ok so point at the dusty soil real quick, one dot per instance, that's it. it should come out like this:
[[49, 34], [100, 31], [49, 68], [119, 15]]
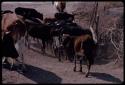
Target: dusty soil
[[47, 69]]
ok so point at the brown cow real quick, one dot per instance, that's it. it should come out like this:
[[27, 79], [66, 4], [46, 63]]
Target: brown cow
[[13, 30], [7, 20], [84, 48]]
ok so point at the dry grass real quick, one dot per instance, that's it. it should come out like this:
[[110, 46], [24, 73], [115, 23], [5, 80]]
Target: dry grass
[[110, 28]]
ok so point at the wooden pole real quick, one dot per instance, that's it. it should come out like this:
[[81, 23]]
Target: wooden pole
[[97, 26]]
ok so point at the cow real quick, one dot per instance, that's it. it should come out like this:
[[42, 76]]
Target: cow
[[49, 20], [76, 42], [84, 48], [58, 23], [84, 45], [29, 13], [41, 32], [64, 16], [68, 43], [13, 30]]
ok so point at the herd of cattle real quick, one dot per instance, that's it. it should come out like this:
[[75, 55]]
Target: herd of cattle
[[64, 36]]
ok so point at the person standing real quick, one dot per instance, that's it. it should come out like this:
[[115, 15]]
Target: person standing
[[60, 5]]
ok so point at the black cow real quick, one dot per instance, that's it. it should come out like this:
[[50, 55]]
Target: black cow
[[68, 48], [40, 31], [29, 13], [64, 16]]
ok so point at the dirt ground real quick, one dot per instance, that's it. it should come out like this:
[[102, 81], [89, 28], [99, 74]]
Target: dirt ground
[[47, 69]]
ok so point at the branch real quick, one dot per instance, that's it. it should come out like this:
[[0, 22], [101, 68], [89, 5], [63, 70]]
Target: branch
[[113, 42], [117, 49]]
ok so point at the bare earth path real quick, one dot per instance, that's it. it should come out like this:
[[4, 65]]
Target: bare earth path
[[47, 69]]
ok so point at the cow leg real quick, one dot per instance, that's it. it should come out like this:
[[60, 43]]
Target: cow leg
[[26, 39], [80, 65], [43, 47], [52, 48], [12, 64], [3, 60], [55, 51], [11, 60], [51, 45], [23, 64], [59, 52], [28, 42], [88, 66], [18, 46], [66, 56], [47, 45], [34, 39], [75, 63]]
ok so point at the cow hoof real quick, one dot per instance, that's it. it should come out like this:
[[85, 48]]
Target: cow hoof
[[28, 47], [43, 53], [86, 75], [80, 70], [59, 60], [74, 69]]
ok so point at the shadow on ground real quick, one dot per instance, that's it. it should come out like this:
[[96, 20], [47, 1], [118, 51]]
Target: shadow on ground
[[106, 77], [101, 61], [40, 76]]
